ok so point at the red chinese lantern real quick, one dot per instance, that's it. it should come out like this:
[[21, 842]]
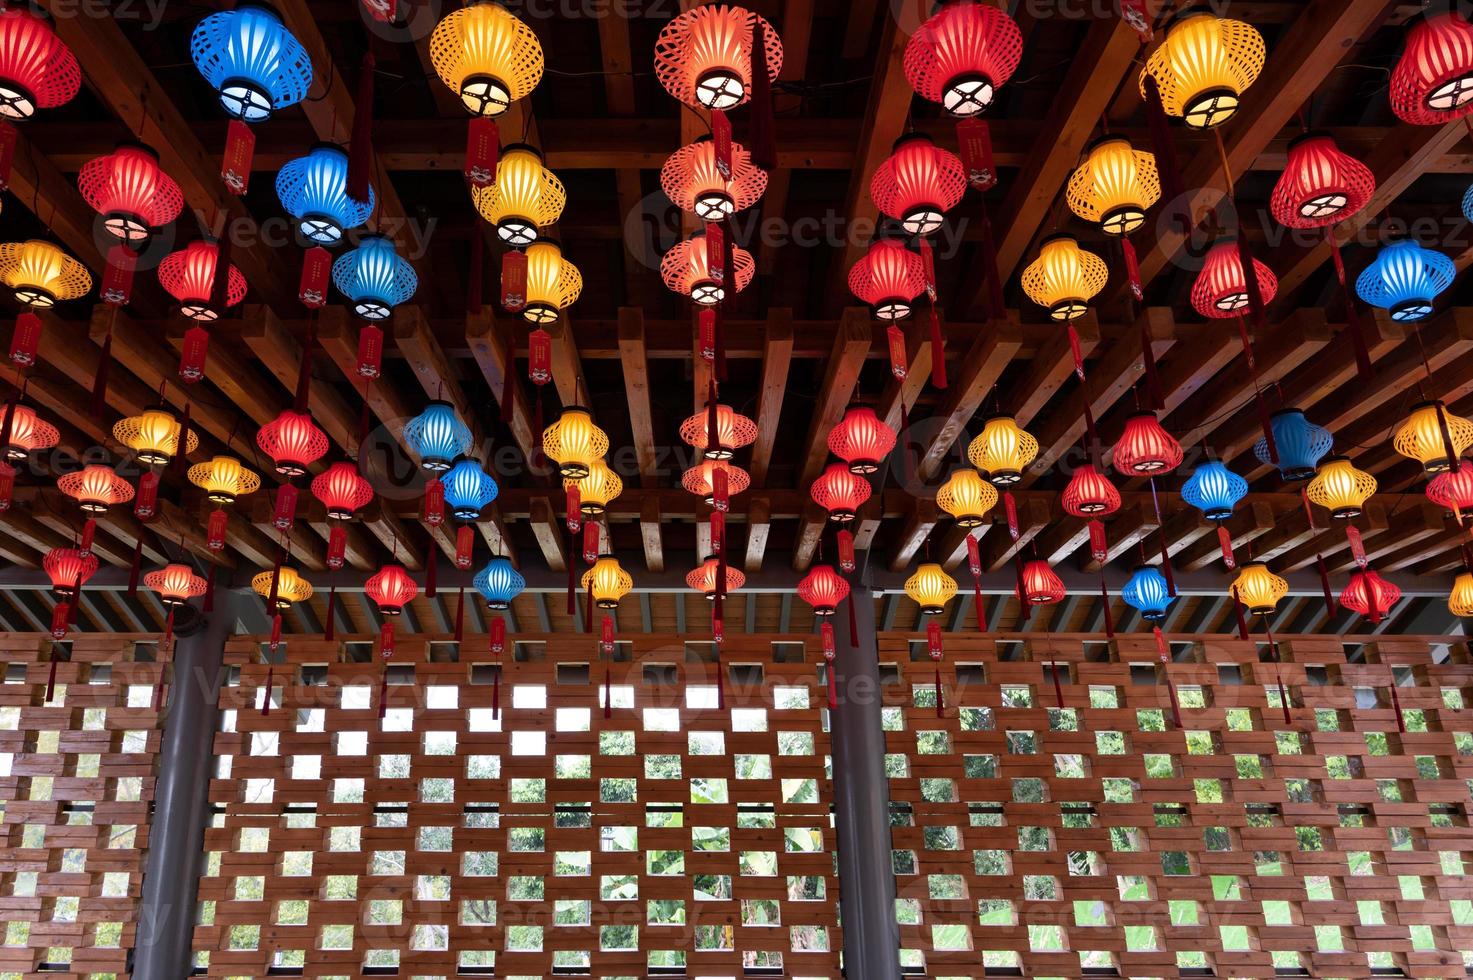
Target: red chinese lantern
[[962, 54], [342, 490], [705, 578], [131, 192], [861, 439], [176, 585], [1220, 290], [1146, 449], [1370, 595], [823, 589], [918, 184], [1321, 184], [391, 589], [293, 442], [28, 433], [37, 71], [1432, 84], [1040, 583], [840, 492], [733, 432], [716, 481], [189, 276], [686, 270], [96, 488], [704, 56], [1453, 490], [1090, 493], [888, 279], [693, 179], [68, 569]]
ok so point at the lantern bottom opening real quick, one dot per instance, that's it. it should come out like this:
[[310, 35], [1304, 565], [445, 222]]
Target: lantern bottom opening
[[1323, 206], [93, 507], [1217, 513], [320, 229], [923, 220], [245, 100], [485, 95], [970, 521], [1003, 478], [1451, 94], [372, 309], [707, 293], [465, 513], [841, 516], [221, 497], [714, 205], [516, 231], [1122, 221], [1210, 108], [718, 453], [540, 313], [16, 102], [198, 309], [572, 471], [291, 468], [864, 467], [1148, 466], [125, 226], [339, 514], [720, 88], [890, 310], [1411, 309], [435, 464], [591, 508], [968, 95], [35, 297], [1345, 513], [1092, 507], [1294, 474], [1068, 309]]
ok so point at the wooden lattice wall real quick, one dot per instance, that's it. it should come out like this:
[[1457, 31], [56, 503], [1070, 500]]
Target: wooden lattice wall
[[76, 783]]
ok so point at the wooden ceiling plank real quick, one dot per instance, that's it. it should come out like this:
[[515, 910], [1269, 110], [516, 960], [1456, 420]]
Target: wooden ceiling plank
[[650, 533], [1332, 539], [913, 536], [488, 344], [1046, 373], [272, 343], [776, 358], [422, 351], [900, 396], [548, 531], [759, 528], [1127, 529], [637, 392], [851, 346], [1245, 526], [1409, 537], [999, 549], [990, 354]]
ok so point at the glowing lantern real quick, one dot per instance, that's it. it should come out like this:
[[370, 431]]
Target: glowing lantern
[[553, 283], [391, 589], [154, 435], [1214, 490], [686, 270], [188, 275], [1460, 600], [486, 56], [1114, 186], [374, 278], [1258, 589], [1421, 437], [840, 492], [1220, 290], [888, 278], [68, 569], [705, 578], [1432, 84], [526, 196], [1041, 584], [1340, 487], [702, 478], [961, 55], [288, 589], [37, 71], [1301, 444], [293, 441], [468, 489], [1090, 493], [1064, 278], [1321, 184], [28, 433], [1453, 490], [499, 583], [1145, 448], [1370, 595], [967, 497], [314, 190], [131, 192], [607, 582], [95, 488], [733, 431], [918, 184], [1148, 593], [342, 490], [1203, 67], [703, 57], [823, 589], [931, 588], [252, 60], [1003, 450], [1405, 280], [175, 584], [597, 489], [223, 478], [574, 442], [861, 439], [437, 436], [692, 179], [42, 275]]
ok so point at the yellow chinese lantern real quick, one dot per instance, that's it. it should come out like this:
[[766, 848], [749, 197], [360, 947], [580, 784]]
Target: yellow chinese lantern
[[1064, 278], [486, 56], [291, 588], [1203, 67], [1003, 450], [597, 489], [1340, 487], [574, 443], [553, 283], [526, 196], [1420, 437], [1114, 186], [154, 435], [41, 274], [1460, 601], [607, 582], [967, 497], [223, 478], [1259, 589], [931, 588]]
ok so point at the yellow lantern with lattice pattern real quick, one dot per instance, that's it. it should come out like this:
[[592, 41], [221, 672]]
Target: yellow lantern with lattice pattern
[[931, 588], [1114, 186], [486, 56], [553, 283], [224, 478], [1003, 451], [1340, 487], [1064, 278], [607, 582], [574, 443], [1460, 600], [1204, 66], [1420, 437], [154, 435], [596, 489], [41, 274], [526, 196], [967, 497], [291, 587], [1258, 588]]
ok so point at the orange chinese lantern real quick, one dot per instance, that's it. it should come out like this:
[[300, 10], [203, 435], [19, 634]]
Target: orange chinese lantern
[[861, 439], [840, 492], [693, 179], [888, 278], [918, 184], [704, 56], [686, 270]]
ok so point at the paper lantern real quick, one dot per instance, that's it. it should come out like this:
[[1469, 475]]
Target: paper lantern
[[293, 441], [37, 71], [374, 278], [288, 589], [468, 489], [176, 584], [733, 431], [703, 57], [1370, 595], [686, 270], [966, 497], [931, 588], [223, 479], [1115, 186], [888, 278], [1064, 278], [28, 433], [1145, 448], [314, 190], [1041, 584], [553, 283], [252, 60], [596, 489], [486, 56], [1421, 437], [918, 184], [95, 488], [607, 582], [1301, 444], [1090, 493], [861, 439], [823, 589], [1321, 184], [1453, 490], [391, 589], [692, 180], [42, 275], [840, 492], [499, 582], [525, 196], [342, 490], [1148, 593], [574, 442], [705, 578], [188, 275], [1340, 487], [701, 481], [1203, 67], [1214, 490], [1221, 291], [154, 435], [1432, 84], [1405, 279], [68, 568], [1003, 450], [131, 192], [1258, 589], [437, 436], [961, 55], [1460, 600]]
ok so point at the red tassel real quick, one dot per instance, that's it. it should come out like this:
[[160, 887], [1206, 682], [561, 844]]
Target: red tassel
[[220, 288], [473, 284], [185, 422], [940, 698], [1091, 436], [51, 674], [482, 151], [938, 352], [977, 605], [539, 356], [706, 328], [588, 609], [25, 345], [337, 546], [432, 570], [434, 502], [764, 149], [1077, 351], [713, 428], [1447, 439], [135, 567], [146, 500], [1099, 548], [846, 550], [285, 513], [832, 686], [1357, 546], [117, 275], [370, 351], [514, 292], [974, 146], [1238, 611], [274, 594], [169, 626], [498, 634], [1358, 340], [302, 397], [608, 695], [1247, 343], [572, 583], [496, 694], [329, 632], [1010, 507], [465, 545], [1105, 605], [1308, 511], [1165, 552], [209, 602], [316, 270], [460, 617], [215, 530], [99, 380], [1132, 270], [1163, 145], [1265, 422], [1225, 541], [192, 355], [720, 488], [360, 144], [266, 689], [240, 148], [383, 693]]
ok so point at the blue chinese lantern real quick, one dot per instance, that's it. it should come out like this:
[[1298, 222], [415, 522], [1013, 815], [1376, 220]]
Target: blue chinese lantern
[[1405, 279], [1301, 445], [1148, 593], [1214, 490], [500, 583], [438, 436], [314, 190], [374, 278], [468, 488], [252, 60]]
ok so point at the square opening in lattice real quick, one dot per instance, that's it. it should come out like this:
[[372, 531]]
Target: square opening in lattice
[[655, 675], [788, 652], [890, 675], [745, 675], [529, 651], [485, 673], [971, 674], [574, 674]]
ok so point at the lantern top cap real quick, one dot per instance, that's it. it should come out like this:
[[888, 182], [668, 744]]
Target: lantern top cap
[[1287, 411], [576, 408], [995, 416], [1335, 459], [370, 236], [912, 137], [434, 402], [136, 145], [260, 5], [1429, 403], [1058, 236], [523, 148], [328, 145], [1310, 135], [1104, 139]]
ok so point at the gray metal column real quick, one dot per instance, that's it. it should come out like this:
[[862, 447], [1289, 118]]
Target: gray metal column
[[862, 802], [181, 807]]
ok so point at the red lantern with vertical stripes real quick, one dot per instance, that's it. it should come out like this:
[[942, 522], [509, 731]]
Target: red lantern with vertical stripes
[[37, 71], [1432, 84], [962, 54], [823, 589], [918, 184], [342, 490], [293, 441], [888, 278], [840, 492], [1221, 291], [67, 568], [1041, 584], [861, 439], [131, 192], [1321, 184], [1146, 448], [1370, 595], [189, 276]]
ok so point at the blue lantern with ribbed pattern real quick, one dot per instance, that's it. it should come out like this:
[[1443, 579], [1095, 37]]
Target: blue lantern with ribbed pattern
[[374, 278], [252, 60], [499, 582], [1301, 445], [1405, 280], [1148, 593], [1214, 490], [438, 436], [468, 488], [314, 190]]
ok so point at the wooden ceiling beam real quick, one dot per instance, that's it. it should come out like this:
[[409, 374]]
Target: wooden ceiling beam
[[919, 527], [1251, 522], [637, 394], [759, 528], [998, 549], [1408, 538], [989, 355], [1332, 540], [851, 346], [1128, 528], [900, 395], [650, 534], [777, 345], [549, 533], [488, 342], [1046, 373]]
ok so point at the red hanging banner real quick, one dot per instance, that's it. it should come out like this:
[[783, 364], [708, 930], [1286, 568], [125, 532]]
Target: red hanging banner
[[575, 508], [192, 354], [1225, 540], [285, 514], [706, 323], [26, 344], [465, 544], [316, 269], [482, 151], [215, 530], [434, 503], [337, 546], [715, 252], [146, 500], [240, 148], [117, 275], [974, 143], [539, 356], [721, 140], [899, 358], [370, 351], [514, 281], [846, 551]]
